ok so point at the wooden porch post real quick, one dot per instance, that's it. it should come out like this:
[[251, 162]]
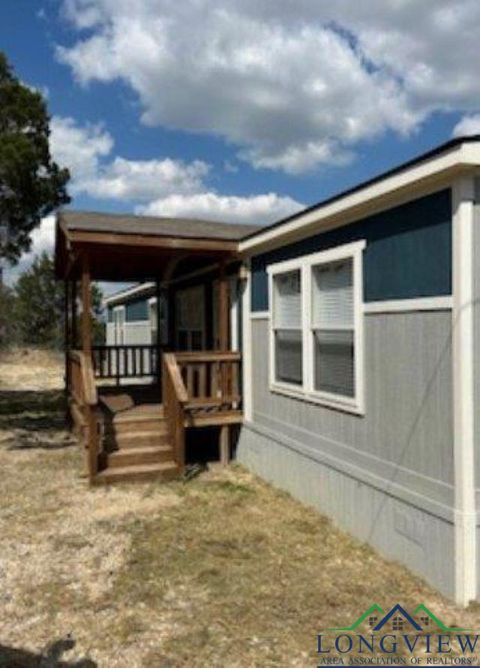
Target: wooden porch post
[[224, 444], [86, 308], [223, 315], [67, 344], [158, 342], [73, 315], [223, 320]]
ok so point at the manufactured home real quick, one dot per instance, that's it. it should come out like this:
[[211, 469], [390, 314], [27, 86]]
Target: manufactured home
[[335, 353]]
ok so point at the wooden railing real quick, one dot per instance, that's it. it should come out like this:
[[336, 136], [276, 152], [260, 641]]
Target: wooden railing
[[125, 361], [174, 400], [84, 405], [200, 389], [212, 379]]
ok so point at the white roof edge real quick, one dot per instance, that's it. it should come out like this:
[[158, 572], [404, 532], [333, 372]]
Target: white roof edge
[[119, 297], [463, 155]]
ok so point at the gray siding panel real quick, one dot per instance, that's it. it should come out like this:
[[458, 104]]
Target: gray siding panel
[[421, 541], [386, 477], [408, 386]]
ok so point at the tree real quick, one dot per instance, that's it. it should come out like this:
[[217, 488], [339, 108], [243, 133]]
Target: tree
[[39, 307], [8, 329], [31, 184]]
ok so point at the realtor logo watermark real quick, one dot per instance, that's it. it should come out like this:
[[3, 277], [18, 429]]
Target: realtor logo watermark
[[398, 637]]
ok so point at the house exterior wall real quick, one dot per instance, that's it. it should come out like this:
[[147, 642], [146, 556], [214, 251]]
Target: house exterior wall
[[386, 476], [138, 333], [408, 254], [136, 326], [110, 334]]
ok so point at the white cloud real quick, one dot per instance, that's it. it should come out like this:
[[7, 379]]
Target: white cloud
[[86, 151], [144, 179], [157, 187], [43, 239], [79, 148], [259, 209], [468, 125], [292, 84]]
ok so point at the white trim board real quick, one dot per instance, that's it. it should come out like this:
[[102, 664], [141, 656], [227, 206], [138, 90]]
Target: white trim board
[[260, 315], [136, 290], [462, 156], [404, 305], [463, 197]]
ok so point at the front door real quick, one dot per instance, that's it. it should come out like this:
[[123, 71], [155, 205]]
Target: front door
[[190, 318]]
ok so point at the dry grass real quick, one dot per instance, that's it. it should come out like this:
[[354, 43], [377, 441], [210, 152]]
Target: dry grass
[[222, 570]]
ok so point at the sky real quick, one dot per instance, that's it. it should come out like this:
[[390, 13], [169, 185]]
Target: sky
[[240, 110]]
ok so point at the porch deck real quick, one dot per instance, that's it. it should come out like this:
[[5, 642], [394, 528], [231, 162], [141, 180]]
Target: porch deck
[[137, 432]]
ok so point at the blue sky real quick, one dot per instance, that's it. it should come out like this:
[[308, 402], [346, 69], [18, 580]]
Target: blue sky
[[239, 110]]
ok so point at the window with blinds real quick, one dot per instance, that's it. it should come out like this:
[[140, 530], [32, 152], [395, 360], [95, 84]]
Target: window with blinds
[[333, 328], [287, 327], [316, 334]]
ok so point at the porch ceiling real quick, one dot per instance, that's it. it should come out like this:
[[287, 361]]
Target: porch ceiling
[[132, 248]]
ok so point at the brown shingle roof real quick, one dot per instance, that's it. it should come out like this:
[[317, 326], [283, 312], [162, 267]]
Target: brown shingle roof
[[188, 228]]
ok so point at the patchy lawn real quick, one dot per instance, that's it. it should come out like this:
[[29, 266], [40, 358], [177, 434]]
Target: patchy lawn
[[222, 570]]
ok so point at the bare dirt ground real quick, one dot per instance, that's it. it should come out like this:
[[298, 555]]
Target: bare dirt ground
[[222, 570]]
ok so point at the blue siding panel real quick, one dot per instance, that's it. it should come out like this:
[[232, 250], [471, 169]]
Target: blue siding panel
[[136, 310], [408, 254]]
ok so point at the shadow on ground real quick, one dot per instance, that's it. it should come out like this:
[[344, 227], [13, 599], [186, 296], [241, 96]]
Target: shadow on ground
[[33, 419], [50, 658]]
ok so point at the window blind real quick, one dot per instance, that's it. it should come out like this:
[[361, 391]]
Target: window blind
[[332, 296], [288, 301], [333, 328], [287, 324]]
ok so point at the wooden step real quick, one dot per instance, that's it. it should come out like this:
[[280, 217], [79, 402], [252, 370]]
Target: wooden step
[[122, 424], [136, 439], [138, 455], [212, 418], [161, 471]]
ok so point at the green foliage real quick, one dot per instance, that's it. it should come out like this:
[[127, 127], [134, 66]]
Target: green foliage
[[31, 184], [39, 306], [8, 330]]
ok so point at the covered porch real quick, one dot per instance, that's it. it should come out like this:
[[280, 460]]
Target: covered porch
[[133, 404]]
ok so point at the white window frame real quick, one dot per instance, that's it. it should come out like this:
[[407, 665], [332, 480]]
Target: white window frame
[[307, 391]]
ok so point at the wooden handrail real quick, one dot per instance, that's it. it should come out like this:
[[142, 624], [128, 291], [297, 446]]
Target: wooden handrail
[[176, 378], [174, 399], [90, 389], [83, 393], [208, 356]]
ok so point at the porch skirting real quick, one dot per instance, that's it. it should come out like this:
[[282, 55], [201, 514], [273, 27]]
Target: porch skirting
[[417, 537]]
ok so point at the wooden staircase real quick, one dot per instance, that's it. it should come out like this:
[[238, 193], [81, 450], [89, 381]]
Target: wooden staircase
[[129, 436], [135, 445]]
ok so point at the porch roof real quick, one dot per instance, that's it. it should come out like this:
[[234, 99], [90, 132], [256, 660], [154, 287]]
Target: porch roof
[[124, 247]]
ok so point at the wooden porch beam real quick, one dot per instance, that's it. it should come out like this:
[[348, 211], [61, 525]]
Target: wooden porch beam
[[168, 243]]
